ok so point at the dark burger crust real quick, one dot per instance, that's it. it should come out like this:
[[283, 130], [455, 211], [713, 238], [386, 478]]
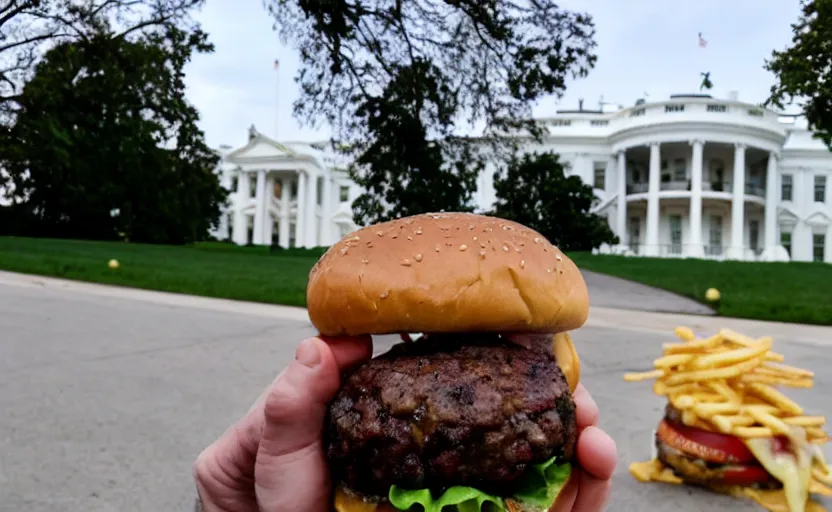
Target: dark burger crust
[[463, 409]]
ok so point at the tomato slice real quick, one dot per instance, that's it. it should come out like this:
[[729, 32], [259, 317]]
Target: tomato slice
[[745, 475], [709, 446]]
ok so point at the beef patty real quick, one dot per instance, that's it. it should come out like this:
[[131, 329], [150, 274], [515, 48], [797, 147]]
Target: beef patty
[[462, 409]]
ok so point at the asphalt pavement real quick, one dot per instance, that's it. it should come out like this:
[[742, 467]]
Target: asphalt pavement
[[108, 395]]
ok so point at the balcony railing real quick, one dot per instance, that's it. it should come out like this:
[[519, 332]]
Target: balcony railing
[[717, 186], [637, 188], [755, 190], [675, 185], [714, 251]]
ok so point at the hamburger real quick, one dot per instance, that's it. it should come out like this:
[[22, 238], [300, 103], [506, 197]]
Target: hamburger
[[726, 428], [473, 410]]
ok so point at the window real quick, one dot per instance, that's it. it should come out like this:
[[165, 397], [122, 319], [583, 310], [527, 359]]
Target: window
[[235, 183], [786, 187], [599, 179], [278, 187], [292, 234], [786, 241], [319, 200], [344, 193], [754, 235], [679, 169], [715, 241], [717, 168], [635, 233], [818, 241], [294, 189], [820, 188], [675, 234]]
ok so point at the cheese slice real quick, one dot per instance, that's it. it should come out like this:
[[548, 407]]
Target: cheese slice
[[793, 469]]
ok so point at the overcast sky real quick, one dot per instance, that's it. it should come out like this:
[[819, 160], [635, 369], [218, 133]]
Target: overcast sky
[[644, 46]]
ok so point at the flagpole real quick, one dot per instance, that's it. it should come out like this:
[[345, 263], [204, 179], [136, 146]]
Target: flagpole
[[276, 98]]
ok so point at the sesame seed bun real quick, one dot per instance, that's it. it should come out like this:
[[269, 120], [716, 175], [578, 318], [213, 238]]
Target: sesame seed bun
[[445, 272]]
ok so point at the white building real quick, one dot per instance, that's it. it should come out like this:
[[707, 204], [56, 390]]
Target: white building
[[691, 176]]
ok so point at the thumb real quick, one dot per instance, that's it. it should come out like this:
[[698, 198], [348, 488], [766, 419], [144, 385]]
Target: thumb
[[290, 472]]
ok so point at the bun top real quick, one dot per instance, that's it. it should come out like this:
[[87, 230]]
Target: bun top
[[445, 272]]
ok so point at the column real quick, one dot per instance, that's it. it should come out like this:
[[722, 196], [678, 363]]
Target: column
[[771, 204], [652, 241], [240, 229], [737, 251], [268, 219], [621, 219], [326, 213], [259, 207], [285, 199], [312, 211], [300, 211], [695, 248]]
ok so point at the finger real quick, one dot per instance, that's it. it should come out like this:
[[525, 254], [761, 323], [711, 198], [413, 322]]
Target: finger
[[597, 453], [290, 470], [224, 471], [566, 497], [586, 409], [593, 494]]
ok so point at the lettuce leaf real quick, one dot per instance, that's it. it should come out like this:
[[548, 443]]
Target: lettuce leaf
[[538, 488]]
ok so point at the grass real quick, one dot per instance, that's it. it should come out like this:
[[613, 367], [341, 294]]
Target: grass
[[783, 292], [786, 292], [210, 269]]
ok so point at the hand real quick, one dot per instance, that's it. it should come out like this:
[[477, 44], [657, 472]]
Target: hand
[[588, 489], [273, 459]]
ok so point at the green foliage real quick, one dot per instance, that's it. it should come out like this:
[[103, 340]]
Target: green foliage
[[534, 190], [400, 82], [802, 70], [105, 146], [28, 27]]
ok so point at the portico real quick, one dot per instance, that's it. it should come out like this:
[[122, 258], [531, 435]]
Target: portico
[[281, 196], [666, 189]]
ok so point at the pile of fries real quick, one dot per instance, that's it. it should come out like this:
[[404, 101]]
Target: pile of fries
[[726, 383]]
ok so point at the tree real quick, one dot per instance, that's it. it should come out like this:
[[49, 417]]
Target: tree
[[105, 145], [802, 71], [534, 190], [26, 26], [405, 86]]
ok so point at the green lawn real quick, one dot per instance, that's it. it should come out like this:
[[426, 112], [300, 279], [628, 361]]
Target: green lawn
[[214, 270], [783, 292], [789, 292]]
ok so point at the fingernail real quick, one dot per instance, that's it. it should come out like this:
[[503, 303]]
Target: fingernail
[[308, 354]]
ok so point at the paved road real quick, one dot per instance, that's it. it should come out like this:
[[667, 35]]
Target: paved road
[[614, 292], [107, 395]]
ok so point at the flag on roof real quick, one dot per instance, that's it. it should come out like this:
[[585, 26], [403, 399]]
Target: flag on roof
[[276, 63], [702, 42]]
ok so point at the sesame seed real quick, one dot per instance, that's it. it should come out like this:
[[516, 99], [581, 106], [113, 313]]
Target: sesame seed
[[505, 247], [370, 245], [384, 294], [409, 237], [549, 270], [405, 263], [537, 239], [437, 247], [522, 263], [419, 231], [482, 244], [355, 238], [482, 254], [475, 239], [559, 257], [380, 233], [365, 261], [561, 271], [505, 228], [463, 247], [470, 226], [395, 236], [418, 257], [344, 251]]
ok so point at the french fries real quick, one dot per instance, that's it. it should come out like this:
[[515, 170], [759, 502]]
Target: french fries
[[728, 383]]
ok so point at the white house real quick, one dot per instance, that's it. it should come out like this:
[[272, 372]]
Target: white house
[[690, 176]]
